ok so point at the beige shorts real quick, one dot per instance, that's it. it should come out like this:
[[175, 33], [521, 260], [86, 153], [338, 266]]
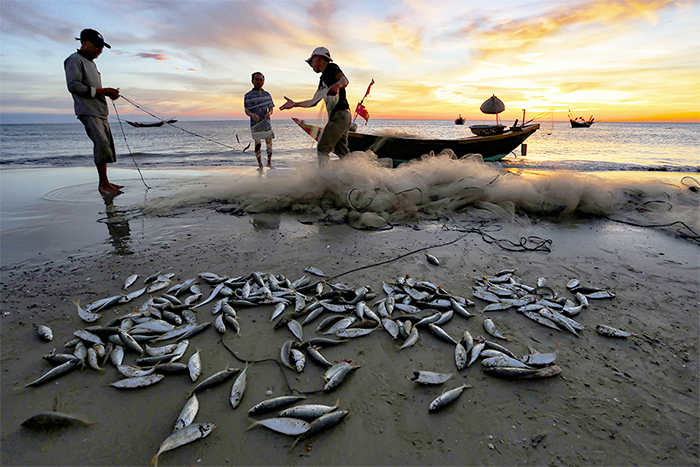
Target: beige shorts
[[97, 129]]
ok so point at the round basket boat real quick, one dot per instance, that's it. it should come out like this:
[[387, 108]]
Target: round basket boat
[[487, 130]]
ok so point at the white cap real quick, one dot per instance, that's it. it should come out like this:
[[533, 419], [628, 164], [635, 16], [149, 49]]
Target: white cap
[[322, 51]]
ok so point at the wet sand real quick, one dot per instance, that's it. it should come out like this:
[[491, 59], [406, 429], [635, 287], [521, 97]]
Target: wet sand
[[617, 401]]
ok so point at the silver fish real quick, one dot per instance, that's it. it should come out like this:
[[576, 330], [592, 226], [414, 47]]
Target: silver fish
[[354, 332], [156, 286], [215, 379], [133, 295], [499, 306], [612, 332], [45, 332], [441, 333], [556, 318], [582, 299], [412, 338], [275, 403], [299, 360], [538, 318], [133, 371], [320, 424], [432, 259], [92, 359], [391, 327], [601, 294], [286, 354], [130, 281], [342, 324], [296, 329], [194, 365], [308, 411], [407, 308], [476, 351], [54, 372], [573, 283], [158, 351], [503, 361], [137, 382], [315, 271], [467, 341], [238, 388], [183, 436], [219, 324], [339, 377], [316, 356], [85, 315], [460, 356], [430, 377], [117, 355], [490, 327], [103, 303], [335, 368], [447, 397], [279, 309], [213, 295], [541, 359], [188, 413], [284, 425], [87, 336]]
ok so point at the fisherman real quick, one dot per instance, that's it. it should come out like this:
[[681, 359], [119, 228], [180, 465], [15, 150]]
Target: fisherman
[[259, 107], [85, 85], [331, 89]]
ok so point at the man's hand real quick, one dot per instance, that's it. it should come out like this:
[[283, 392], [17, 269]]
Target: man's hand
[[290, 104], [109, 92]]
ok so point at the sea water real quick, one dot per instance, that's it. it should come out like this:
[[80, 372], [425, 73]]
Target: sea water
[[606, 146]]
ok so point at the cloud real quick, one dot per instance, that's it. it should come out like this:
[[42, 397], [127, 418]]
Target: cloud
[[153, 56]]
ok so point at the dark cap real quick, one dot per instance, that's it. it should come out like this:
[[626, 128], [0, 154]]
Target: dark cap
[[93, 36]]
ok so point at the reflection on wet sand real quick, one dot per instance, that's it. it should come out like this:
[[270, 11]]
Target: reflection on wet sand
[[118, 227]]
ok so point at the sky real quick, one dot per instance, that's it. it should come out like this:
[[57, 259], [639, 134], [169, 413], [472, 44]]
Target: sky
[[618, 60]]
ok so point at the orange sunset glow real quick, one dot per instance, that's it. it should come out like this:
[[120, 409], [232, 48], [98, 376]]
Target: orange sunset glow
[[618, 60]]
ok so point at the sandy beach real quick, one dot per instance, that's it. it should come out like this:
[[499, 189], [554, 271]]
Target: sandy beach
[[633, 401]]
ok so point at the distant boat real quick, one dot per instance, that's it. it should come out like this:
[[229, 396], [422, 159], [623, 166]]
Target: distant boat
[[460, 120], [150, 125], [580, 122]]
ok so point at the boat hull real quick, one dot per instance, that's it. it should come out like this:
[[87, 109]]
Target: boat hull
[[399, 149], [575, 124]]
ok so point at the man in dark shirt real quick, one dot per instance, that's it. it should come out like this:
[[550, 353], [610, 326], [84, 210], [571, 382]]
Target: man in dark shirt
[[85, 85], [331, 89]]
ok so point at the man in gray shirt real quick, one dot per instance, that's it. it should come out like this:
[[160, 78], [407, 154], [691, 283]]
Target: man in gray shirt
[[85, 85]]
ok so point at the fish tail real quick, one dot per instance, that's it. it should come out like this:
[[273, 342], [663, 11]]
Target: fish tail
[[252, 425], [154, 461], [294, 443]]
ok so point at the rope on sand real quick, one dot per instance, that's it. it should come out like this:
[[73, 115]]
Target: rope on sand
[[127, 146]]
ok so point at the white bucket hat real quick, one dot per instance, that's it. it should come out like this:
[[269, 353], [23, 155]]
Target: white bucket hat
[[322, 51]]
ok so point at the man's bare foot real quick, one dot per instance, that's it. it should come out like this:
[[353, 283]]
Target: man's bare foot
[[109, 191]]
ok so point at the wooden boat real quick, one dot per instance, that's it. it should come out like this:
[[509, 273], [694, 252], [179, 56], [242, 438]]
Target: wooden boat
[[405, 148], [149, 125], [581, 123]]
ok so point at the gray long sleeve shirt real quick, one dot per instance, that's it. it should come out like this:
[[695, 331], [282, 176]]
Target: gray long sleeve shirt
[[83, 79]]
